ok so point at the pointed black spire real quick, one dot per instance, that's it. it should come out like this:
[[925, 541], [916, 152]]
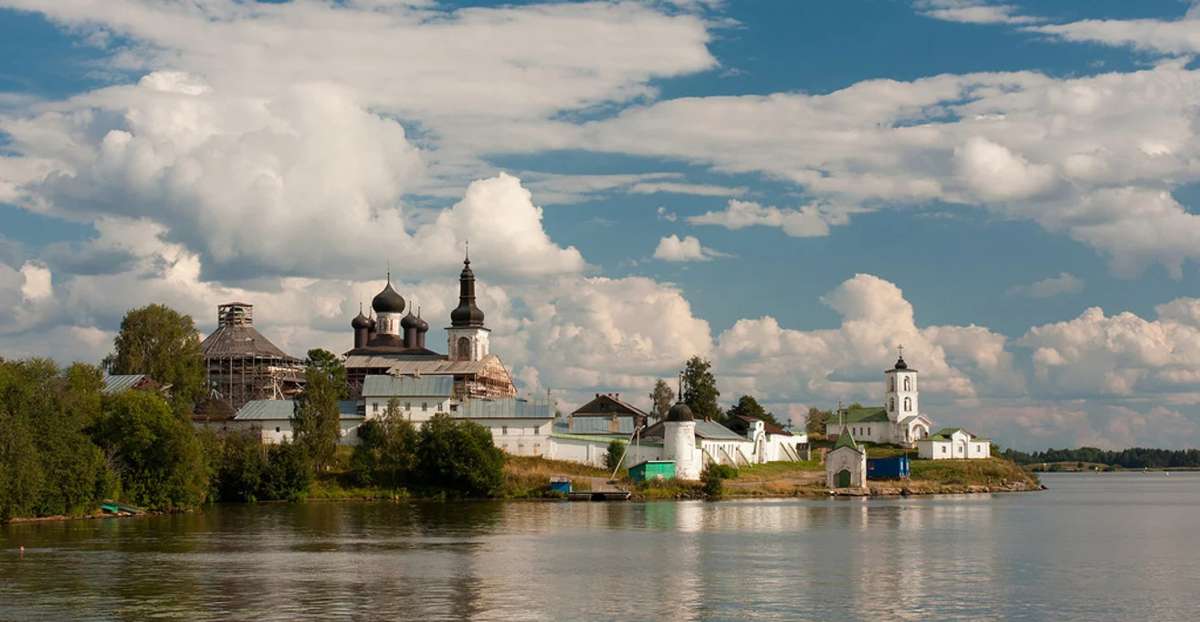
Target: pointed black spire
[[466, 314]]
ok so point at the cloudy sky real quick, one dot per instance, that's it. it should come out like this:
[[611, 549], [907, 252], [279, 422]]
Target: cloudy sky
[[789, 188]]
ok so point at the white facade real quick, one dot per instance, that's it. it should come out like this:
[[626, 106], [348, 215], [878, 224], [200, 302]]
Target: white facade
[[467, 343], [899, 422], [414, 408], [956, 444], [521, 437], [846, 458], [679, 445]]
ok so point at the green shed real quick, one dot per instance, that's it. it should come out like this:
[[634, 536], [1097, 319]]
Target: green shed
[[652, 469]]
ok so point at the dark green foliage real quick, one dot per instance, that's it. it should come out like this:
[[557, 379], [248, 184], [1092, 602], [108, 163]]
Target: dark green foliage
[[458, 457], [1133, 458], [250, 471], [289, 475], [363, 464], [661, 399], [747, 406], [157, 341], [48, 463], [700, 390], [243, 465], [315, 420], [712, 478], [157, 452], [330, 365], [612, 457]]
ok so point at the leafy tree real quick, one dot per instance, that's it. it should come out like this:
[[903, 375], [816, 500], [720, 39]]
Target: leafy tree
[[243, 467], [700, 390], [315, 418], [21, 478], [48, 463], [612, 457], [329, 364], [159, 454], [289, 475], [814, 422], [458, 456], [661, 399], [397, 443], [157, 341], [747, 406]]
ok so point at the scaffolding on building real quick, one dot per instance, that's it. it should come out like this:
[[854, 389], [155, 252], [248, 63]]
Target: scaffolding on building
[[244, 365]]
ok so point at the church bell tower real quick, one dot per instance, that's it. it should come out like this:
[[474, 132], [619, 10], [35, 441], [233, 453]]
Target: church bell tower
[[467, 337]]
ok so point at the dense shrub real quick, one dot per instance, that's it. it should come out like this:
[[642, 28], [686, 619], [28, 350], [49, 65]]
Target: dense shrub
[[458, 457]]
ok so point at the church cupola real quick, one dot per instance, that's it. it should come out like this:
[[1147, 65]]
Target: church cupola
[[388, 305], [362, 328], [422, 328], [466, 314], [409, 324], [467, 338]]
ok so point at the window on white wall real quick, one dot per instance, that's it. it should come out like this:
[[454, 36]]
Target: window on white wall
[[504, 430], [907, 404], [908, 384]]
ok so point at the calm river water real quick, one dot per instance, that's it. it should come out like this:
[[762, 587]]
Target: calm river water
[[1093, 547]]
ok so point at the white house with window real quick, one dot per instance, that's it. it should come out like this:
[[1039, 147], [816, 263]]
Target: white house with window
[[898, 422], [954, 444], [419, 397]]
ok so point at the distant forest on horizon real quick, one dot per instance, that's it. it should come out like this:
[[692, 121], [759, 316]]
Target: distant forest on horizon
[[1133, 458]]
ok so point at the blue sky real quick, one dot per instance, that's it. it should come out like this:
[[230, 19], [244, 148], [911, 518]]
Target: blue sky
[[790, 189]]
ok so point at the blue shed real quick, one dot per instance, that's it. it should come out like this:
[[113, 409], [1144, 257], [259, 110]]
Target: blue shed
[[560, 483], [878, 468]]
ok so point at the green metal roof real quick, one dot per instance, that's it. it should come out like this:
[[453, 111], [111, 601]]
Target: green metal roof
[[875, 414], [945, 433], [846, 440], [714, 431]]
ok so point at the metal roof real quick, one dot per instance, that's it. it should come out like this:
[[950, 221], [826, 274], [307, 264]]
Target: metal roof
[[606, 404], [600, 425], [401, 365], [875, 414], [508, 408], [408, 386], [279, 410], [716, 432], [241, 341], [121, 382]]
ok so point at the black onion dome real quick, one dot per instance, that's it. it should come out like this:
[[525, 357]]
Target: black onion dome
[[900, 364], [388, 301], [409, 321], [680, 412], [370, 323], [361, 321], [422, 325]]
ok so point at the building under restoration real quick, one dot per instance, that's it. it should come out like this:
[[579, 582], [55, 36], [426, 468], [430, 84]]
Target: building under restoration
[[394, 343], [244, 365]]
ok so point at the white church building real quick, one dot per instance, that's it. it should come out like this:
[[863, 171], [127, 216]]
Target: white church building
[[898, 422]]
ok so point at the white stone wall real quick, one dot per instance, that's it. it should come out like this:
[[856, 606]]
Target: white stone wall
[[849, 459], [477, 337], [873, 432], [520, 437]]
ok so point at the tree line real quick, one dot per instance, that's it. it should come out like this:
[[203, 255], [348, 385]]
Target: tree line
[[1133, 458]]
